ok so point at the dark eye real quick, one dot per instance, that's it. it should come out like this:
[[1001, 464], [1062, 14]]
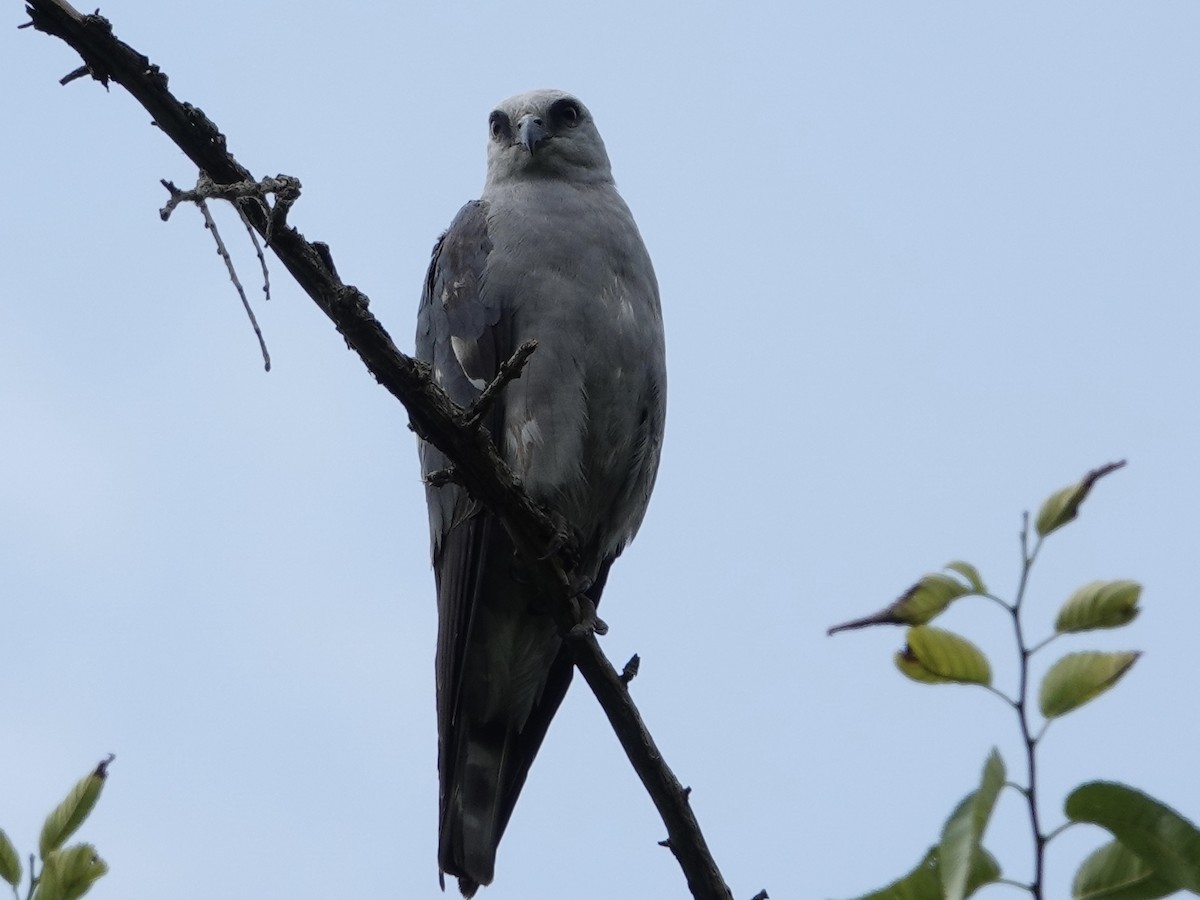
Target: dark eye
[[499, 127], [566, 113]]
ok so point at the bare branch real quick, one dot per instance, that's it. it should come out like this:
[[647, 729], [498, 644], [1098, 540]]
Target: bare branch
[[262, 260], [477, 464], [510, 369], [197, 196]]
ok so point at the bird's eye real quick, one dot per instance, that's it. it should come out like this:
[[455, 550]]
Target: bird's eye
[[499, 127], [567, 113]]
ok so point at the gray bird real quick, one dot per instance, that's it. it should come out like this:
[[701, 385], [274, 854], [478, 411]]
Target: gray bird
[[549, 252]]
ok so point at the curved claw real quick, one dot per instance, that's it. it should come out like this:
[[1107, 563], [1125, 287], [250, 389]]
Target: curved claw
[[589, 622]]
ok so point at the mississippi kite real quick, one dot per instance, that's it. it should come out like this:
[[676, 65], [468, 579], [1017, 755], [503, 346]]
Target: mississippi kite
[[550, 252]]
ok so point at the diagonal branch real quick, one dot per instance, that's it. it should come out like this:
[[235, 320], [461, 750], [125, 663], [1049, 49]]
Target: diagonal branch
[[477, 465]]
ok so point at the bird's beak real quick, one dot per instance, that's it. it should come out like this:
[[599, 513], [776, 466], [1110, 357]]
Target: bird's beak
[[532, 132]]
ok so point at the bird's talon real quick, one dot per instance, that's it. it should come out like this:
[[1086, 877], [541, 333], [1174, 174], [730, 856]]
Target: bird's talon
[[589, 622], [562, 538]]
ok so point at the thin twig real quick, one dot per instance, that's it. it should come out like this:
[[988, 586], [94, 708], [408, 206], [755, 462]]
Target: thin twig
[[1042, 643], [197, 196], [211, 225], [73, 74], [1022, 708], [34, 878], [999, 693], [285, 188], [1059, 830], [1019, 788], [1027, 888], [442, 477], [509, 370], [999, 601], [262, 260]]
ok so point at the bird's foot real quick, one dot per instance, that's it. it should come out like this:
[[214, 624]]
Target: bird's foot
[[565, 541], [587, 622]]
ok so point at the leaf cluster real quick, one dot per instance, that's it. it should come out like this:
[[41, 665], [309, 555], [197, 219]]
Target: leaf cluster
[[67, 873], [1154, 851]]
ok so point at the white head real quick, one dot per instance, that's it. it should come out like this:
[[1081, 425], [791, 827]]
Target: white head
[[545, 134]]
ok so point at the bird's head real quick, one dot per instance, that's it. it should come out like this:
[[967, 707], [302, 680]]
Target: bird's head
[[545, 134]]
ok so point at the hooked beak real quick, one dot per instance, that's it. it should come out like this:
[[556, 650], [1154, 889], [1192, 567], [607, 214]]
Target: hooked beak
[[532, 132]]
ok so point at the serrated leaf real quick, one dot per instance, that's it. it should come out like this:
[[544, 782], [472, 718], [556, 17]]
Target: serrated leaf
[[70, 814], [935, 656], [1114, 872], [925, 882], [1063, 506], [10, 861], [1165, 840], [68, 874], [1079, 677], [963, 831], [969, 572], [1099, 604]]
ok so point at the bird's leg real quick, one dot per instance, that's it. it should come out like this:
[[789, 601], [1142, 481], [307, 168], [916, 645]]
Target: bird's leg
[[565, 541], [587, 622]]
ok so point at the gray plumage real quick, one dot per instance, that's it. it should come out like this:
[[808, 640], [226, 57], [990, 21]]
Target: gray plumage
[[551, 252]]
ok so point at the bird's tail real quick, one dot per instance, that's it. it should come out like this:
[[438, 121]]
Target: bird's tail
[[473, 817]]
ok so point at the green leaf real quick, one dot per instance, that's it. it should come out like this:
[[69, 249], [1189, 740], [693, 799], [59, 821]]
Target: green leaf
[[10, 862], [925, 600], [1099, 604], [969, 572], [1114, 872], [69, 874], [934, 656], [1165, 840], [964, 830], [1063, 506], [1079, 677], [928, 598], [70, 814], [925, 882]]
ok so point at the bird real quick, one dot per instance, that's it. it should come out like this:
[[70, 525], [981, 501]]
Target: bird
[[549, 252]]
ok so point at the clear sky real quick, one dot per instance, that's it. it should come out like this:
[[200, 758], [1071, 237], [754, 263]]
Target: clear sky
[[921, 265]]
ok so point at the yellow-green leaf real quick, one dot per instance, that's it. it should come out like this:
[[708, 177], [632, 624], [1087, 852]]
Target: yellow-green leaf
[[969, 572], [925, 882], [928, 598], [1079, 677], [1099, 604], [1063, 506], [70, 814], [1114, 872], [963, 831], [10, 862], [68, 874], [1165, 840], [934, 656], [922, 602]]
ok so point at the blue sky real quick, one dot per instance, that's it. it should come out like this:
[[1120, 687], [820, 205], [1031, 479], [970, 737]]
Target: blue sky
[[921, 265]]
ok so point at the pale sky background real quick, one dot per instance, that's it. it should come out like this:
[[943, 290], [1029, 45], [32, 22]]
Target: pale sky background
[[921, 265]]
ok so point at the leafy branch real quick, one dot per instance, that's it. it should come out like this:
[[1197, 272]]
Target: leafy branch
[[1154, 851], [67, 873]]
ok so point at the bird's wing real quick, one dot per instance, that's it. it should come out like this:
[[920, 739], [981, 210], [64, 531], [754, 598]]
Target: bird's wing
[[464, 335]]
